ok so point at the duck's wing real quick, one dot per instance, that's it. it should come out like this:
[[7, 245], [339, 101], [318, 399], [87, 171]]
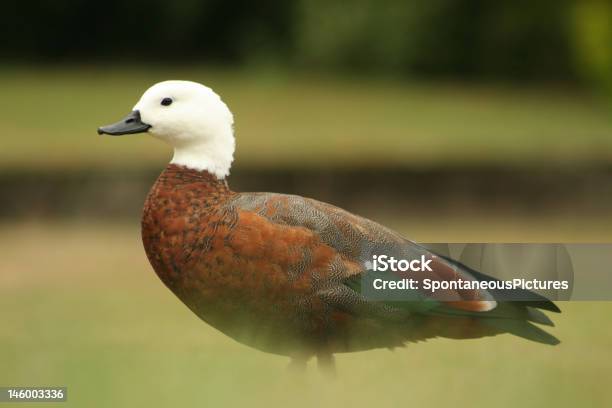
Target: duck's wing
[[334, 249]]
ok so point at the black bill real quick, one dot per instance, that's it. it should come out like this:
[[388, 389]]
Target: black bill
[[129, 125]]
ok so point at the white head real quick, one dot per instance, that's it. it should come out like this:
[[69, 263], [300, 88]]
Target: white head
[[191, 118]]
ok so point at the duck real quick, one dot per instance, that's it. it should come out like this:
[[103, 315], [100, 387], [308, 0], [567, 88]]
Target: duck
[[285, 274]]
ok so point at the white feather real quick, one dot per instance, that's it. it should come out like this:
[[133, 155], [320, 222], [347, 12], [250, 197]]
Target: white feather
[[198, 124]]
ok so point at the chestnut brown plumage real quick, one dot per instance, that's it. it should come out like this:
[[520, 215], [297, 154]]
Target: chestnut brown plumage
[[270, 270]]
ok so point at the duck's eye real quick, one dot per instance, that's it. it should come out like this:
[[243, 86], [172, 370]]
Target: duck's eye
[[166, 101]]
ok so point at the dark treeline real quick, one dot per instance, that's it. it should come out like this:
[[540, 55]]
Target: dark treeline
[[544, 39]]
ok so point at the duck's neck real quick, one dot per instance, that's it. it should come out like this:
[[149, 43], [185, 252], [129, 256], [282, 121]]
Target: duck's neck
[[214, 157], [183, 178]]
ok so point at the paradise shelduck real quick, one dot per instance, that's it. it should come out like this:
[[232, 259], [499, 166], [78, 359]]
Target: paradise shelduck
[[282, 273]]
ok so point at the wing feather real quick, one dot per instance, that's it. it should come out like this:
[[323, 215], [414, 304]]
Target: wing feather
[[353, 240]]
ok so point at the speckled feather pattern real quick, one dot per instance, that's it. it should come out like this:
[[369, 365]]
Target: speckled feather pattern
[[268, 269]]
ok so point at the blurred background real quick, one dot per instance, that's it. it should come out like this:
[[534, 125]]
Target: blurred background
[[447, 120]]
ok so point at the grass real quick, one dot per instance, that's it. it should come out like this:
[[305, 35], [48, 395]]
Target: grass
[[49, 119], [81, 307]]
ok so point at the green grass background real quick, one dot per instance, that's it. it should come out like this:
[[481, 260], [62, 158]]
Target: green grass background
[[48, 119], [81, 307], [106, 327]]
